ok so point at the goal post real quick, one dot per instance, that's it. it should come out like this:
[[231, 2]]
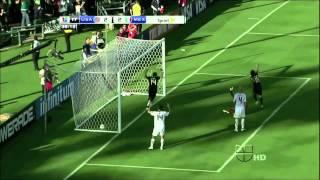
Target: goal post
[[116, 71]]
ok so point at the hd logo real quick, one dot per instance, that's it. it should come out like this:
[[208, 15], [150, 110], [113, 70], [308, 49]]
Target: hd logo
[[245, 154]]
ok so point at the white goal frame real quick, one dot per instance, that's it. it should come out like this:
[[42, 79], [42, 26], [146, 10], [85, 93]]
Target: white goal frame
[[128, 72]]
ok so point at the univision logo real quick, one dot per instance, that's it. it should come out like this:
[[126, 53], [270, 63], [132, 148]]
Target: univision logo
[[246, 153]]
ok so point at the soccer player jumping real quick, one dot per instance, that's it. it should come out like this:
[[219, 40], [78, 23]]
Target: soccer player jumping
[[240, 101], [153, 87], [159, 125], [257, 88]]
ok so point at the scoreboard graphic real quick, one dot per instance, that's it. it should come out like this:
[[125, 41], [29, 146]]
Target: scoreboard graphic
[[122, 20]]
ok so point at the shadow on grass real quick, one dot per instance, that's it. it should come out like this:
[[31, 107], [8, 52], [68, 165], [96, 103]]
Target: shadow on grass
[[239, 44], [72, 148], [223, 62], [243, 9], [42, 58], [19, 97], [67, 143], [210, 135], [5, 104]]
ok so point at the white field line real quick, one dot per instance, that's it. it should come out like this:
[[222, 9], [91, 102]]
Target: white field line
[[243, 75], [151, 167], [174, 88], [277, 34], [232, 156], [263, 123]]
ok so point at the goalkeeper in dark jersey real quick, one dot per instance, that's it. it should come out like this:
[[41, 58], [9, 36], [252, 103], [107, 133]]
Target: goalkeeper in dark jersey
[[257, 88], [152, 87]]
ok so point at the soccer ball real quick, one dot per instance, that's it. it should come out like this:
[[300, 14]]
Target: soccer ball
[[101, 126], [126, 94]]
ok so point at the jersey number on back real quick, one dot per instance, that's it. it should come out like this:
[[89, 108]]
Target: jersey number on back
[[240, 99], [160, 116], [153, 81]]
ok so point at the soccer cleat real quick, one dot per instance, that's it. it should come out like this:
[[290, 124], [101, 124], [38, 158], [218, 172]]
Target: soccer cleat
[[257, 102], [150, 148], [225, 111], [243, 129], [235, 130], [161, 148]]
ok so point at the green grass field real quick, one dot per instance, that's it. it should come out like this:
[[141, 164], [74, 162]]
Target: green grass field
[[221, 46]]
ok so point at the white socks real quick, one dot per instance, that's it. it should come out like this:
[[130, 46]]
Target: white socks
[[162, 142], [236, 125], [151, 143], [242, 124]]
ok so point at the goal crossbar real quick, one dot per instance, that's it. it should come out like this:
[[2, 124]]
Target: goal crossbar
[[119, 68]]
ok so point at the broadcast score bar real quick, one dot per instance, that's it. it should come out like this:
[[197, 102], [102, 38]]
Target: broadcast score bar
[[122, 20]]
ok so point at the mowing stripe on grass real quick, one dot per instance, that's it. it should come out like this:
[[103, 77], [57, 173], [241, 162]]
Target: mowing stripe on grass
[[251, 136], [243, 75], [263, 123], [277, 34], [253, 18], [151, 167], [171, 90]]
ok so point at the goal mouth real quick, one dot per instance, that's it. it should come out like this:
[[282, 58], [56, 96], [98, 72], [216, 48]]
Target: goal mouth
[[119, 70]]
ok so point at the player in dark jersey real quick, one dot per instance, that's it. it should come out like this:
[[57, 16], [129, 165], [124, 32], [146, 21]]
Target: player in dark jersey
[[257, 88], [152, 87]]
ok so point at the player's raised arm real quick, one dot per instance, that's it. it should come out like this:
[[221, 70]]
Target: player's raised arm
[[231, 92], [146, 73]]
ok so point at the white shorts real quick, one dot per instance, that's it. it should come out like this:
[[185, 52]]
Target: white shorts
[[158, 131], [239, 113]]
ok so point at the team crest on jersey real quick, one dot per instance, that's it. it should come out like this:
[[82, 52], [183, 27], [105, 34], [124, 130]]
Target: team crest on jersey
[[244, 153]]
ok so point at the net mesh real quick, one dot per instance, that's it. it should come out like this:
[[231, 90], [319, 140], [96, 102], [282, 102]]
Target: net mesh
[[119, 68]]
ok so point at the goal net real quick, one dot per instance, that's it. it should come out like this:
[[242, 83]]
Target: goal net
[[117, 71]]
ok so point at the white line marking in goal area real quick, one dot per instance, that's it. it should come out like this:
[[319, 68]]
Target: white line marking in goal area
[[242, 75], [277, 34], [151, 167], [263, 123], [243, 144], [171, 90]]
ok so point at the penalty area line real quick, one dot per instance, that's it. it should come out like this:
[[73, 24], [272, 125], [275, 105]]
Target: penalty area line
[[279, 34], [231, 157], [243, 75], [151, 167], [263, 123], [179, 84]]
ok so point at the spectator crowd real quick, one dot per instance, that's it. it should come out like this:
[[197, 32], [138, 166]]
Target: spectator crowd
[[92, 45], [27, 12]]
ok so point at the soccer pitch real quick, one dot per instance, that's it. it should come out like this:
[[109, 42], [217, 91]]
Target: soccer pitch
[[214, 51]]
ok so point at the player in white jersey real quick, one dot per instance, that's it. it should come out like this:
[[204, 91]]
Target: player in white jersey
[[159, 125], [240, 100]]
